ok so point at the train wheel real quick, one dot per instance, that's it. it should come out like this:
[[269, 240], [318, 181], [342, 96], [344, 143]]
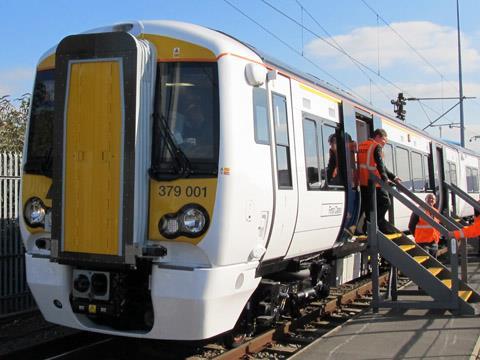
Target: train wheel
[[234, 339], [237, 336]]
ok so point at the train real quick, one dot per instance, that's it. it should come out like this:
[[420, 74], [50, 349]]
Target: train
[[180, 184]]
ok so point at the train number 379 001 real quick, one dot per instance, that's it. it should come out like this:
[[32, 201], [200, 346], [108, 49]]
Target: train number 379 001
[[177, 191]]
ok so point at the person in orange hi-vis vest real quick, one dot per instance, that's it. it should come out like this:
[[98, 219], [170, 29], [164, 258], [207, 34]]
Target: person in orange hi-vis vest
[[466, 232], [370, 159], [425, 234]]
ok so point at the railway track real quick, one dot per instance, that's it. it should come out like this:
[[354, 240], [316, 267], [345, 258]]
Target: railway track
[[319, 318], [287, 338]]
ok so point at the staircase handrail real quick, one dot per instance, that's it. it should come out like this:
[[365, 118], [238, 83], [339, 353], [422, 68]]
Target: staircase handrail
[[444, 230], [463, 195]]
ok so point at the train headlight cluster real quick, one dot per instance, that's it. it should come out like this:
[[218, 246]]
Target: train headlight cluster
[[34, 212], [191, 221]]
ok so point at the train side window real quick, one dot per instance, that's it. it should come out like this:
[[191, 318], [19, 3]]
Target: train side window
[[472, 180], [403, 166], [284, 174], [417, 172], [388, 156], [260, 116], [311, 154], [452, 173], [330, 172], [475, 180], [469, 179]]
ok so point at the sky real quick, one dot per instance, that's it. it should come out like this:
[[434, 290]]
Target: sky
[[374, 49]]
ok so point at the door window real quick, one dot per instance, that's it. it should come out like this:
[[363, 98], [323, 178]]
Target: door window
[[282, 147]]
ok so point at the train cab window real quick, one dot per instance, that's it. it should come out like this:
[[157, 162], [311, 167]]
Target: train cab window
[[40, 137], [186, 120], [330, 173], [284, 174], [260, 116], [311, 153], [452, 173], [417, 172], [403, 166], [388, 156]]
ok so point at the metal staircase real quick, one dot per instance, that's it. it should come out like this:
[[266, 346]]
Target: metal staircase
[[441, 283]]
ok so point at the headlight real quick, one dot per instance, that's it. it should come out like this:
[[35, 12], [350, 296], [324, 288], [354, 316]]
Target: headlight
[[34, 212], [169, 226], [191, 221]]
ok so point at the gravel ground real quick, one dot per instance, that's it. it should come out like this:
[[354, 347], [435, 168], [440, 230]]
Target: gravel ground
[[23, 331]]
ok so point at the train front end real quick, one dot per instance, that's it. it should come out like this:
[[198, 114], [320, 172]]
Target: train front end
[[120, 186]]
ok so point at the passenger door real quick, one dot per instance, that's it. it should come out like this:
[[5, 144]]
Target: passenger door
[[284, 167]]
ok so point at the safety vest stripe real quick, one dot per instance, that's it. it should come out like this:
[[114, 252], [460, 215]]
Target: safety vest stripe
[[424, 227], [369, 153], [365, 166]]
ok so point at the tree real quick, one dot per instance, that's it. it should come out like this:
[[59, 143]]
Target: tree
[[13, 120]]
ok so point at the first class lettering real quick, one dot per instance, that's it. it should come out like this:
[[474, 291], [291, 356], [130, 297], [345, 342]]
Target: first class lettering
[[177, 191]]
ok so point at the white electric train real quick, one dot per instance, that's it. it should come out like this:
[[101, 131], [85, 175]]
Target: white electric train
[[179, 183]]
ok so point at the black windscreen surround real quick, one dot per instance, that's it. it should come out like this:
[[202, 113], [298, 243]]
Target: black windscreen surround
[[40, 136], [186, 119]]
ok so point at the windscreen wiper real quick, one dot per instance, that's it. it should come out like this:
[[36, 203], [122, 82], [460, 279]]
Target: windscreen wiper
[[182, 166]]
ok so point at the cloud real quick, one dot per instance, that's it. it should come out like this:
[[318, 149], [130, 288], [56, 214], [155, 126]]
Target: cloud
[[16, 81], [436, 43]]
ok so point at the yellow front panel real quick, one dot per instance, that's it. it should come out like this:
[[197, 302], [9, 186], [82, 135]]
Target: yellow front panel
[[92, 158], [168, 197], [47, 64]]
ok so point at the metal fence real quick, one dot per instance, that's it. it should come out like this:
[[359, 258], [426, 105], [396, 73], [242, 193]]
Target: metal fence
[[15, 297]]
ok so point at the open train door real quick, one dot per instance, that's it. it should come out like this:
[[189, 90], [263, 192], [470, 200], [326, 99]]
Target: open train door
[[437, 174], [357, 127]]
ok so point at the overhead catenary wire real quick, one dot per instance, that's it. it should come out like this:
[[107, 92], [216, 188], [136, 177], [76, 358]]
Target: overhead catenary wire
[[366, 67], [339, 49], [388, 97], [417, 52], [293, 49], [402, 38]]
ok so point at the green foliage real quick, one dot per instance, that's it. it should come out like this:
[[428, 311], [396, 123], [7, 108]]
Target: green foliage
[[13, 119]]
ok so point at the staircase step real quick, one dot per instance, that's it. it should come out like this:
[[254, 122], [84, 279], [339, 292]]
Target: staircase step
[[465, 294], [421, 259], [407, 247], [447, 283], [361, 238], [435, 270], [393, 236]]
